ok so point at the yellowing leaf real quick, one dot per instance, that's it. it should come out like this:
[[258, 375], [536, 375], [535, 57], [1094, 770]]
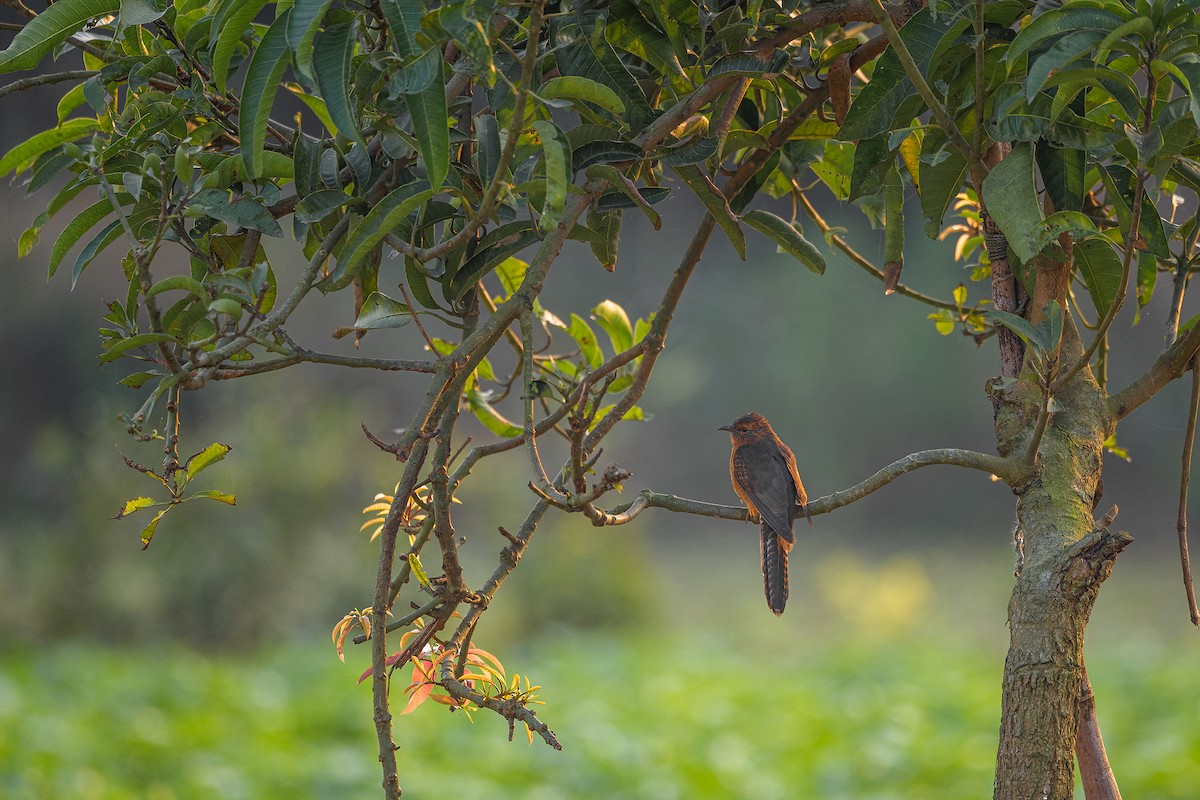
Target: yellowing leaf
[[133, 505]]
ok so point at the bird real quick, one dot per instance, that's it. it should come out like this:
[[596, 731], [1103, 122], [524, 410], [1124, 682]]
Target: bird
[[764, 475]]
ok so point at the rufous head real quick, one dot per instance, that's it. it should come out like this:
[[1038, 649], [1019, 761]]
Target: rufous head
[[748, 427]]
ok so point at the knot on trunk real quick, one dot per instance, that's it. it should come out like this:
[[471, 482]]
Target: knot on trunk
[[1091, 559]]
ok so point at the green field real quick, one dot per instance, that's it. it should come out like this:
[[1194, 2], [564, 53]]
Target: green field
[[653, 716]]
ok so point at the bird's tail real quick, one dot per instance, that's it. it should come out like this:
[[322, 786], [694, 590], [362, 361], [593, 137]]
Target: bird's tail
[[774, 568]]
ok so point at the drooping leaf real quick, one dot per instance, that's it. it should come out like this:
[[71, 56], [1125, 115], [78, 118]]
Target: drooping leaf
[[136, 504], [305, 20], [380, 221], [267, 64], [876, 104], [716, 204], [53, 26], [245, 212], [555, 160], [122, 346], [1060, 22], [227, 37], [219, 496], [1011, 197], [1100, 267], [104, 238], [80, 224], [45, 141], [787, 238], [148, 532], [429, 112], [506, 240], [1062, 174], [492, 419], [381, 311], [404, 21], [331, 65]]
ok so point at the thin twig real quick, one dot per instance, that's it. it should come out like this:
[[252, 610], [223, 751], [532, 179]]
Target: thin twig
[[417, 319], [1184, 479]]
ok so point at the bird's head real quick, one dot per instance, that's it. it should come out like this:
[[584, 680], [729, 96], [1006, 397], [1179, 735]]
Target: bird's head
[[748, 428]]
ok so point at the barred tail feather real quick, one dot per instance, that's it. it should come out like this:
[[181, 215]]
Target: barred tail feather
[[775, 569]]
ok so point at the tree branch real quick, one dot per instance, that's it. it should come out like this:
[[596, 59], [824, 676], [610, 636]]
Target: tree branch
[[1094, 770], [1185, 478], [1166, 368], [1006, 469], [42, 80]]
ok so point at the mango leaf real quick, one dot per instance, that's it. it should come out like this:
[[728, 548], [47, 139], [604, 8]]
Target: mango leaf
[[148, 531], [490, 417], [716, 204], [404, 20], [1100, 267], [121, 346], [381, 311], [1060, 22], [574, 87], [604, 152], [416, 75], [1011, 198], [555, 159], [80, 224], [103, 239], [136, 504], [246, 212], [219, 496], [748, 64], [45, 141], [583, 335], [331, 64], [615, 322], [696, 151], [302, 27], [385, 217], [875, 106], [429, 113], [1072, 222], [229, 28], [487, 154], [53, 26], [1062, 174], [320, 204], [614, 176], [506, 240], [785, 235], [943, 170], [267, 64], [205, 459], [607, 225], [1021, 327]]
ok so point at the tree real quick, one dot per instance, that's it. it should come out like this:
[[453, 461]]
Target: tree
[[458, 135]]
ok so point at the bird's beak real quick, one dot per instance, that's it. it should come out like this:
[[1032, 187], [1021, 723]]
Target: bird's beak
[[725, 428]]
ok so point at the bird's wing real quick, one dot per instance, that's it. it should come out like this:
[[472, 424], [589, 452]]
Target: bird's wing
[[801, 495], [763, 474]]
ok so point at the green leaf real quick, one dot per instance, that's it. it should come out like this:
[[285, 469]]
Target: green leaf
[[102, 240], [246, 212], [404, 20], [226, 39], [607, 225], [614, 176], [205, 458], [1058, 23], [1076, 224], [490, 417], [267, 64], [148, 531], [136, 504], [320, 204], [57, 23], [219, 496], [876, 104], [1100, 267], [615, 322], [31, 148], [574, 87], [80, 224], [1021, 327], [506, 240], [716, 204], [141, 12], [943, 169], [331, 64], [487, 154], [385, 217], [597, 61], [1011, 197], [381, 311], [303, 24], [785, 235], [583, 335], [124, 345], [694, 152], [184, 282], [1062, 174], [417, 75], [555, 153], [604, 152], [429, 118], [748, 64]]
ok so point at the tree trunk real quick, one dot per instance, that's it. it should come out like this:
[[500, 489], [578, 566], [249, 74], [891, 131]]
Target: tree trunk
[[1066, 557]]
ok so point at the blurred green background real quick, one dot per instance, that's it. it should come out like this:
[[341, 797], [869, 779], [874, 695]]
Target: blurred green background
[[202, 667]]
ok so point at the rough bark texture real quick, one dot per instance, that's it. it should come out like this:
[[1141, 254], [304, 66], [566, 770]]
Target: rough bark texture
[[1066, 559]]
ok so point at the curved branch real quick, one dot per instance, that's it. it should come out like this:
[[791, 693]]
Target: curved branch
[[1006, 469], [511, 710], [1168, 367]]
